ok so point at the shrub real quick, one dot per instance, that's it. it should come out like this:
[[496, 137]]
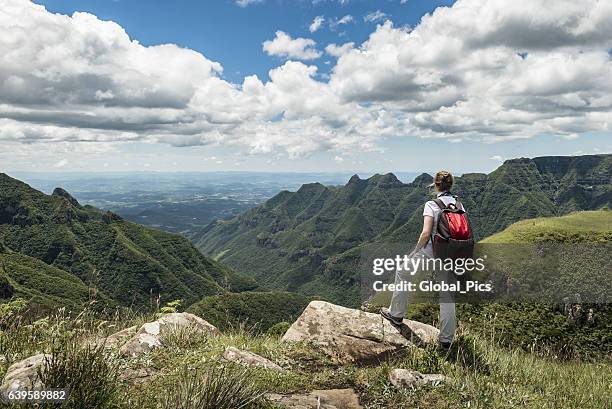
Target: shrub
[[258, 311], [279, 329], [11, 310], [219, 387], [171, 307], [88, 371], [181, 338], [6, 288]]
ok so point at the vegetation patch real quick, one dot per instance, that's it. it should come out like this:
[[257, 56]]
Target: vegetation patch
[[259, 311]]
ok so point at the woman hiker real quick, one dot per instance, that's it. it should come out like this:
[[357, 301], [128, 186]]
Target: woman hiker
[[399, 302]]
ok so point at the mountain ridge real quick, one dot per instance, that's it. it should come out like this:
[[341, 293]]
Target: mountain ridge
[[308, 241]]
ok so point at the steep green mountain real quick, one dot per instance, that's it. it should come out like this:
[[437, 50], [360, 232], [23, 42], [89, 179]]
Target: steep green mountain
[[309, 241], [55, 251]]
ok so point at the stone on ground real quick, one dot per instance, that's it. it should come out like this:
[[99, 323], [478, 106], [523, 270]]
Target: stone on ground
[[150, 335], [320, 399], [407, 378], [250, 359], [138, 376], [351, 335], [22, 375]]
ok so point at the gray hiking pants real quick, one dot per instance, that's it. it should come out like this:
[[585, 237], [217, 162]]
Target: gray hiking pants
[[400, 300]]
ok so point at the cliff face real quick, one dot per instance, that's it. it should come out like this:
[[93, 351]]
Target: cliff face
[[580, 182], [587, 166]]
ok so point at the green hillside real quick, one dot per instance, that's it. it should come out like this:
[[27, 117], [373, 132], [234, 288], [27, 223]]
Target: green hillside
[[309, 241], [577, 227], [257, 310], [55, 251], [574, 250]]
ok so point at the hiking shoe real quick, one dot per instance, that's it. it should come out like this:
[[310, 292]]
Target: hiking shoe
[[444, 345], [397, 321]]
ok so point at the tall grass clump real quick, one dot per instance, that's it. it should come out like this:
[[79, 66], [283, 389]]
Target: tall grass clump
[[217, 387], [89, 372]]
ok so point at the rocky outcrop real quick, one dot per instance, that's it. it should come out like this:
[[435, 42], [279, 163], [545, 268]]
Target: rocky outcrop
[[249, 359], [319, 399], [407, 378], [150, 335], [22, 375], [59, 192], [131, 341], [350, 335]]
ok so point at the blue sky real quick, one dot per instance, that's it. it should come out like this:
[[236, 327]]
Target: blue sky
[[233, 35], [216, 85]]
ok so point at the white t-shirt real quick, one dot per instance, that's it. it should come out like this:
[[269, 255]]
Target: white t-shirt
[[432, 209]]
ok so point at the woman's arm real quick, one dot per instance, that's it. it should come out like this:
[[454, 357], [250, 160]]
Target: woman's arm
[[426, 233]]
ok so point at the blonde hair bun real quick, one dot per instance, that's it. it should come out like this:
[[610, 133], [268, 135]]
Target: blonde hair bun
[[443, 180]]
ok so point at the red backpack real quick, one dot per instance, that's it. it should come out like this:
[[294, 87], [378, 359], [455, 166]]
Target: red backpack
[[453, 237]]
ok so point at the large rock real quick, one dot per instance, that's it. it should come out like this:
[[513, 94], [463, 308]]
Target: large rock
[[250, 359], [407, 378], [323, 399], [150, 335], [351, 335], [22, 375]]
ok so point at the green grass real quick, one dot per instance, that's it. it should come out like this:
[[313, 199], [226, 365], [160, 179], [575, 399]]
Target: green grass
[[577, 227], [90, 372], [216, 387], [483, 375]]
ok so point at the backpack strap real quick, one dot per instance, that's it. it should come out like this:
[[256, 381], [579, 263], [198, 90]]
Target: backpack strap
[[440, 204]]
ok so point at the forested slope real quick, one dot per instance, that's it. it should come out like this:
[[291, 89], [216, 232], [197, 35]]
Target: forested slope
[[55, 251]]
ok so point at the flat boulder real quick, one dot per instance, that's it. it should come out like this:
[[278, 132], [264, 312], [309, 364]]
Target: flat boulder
[[151, 334], [319, 399], [351, 335], [22, 375], [249, 359], [407, 378]]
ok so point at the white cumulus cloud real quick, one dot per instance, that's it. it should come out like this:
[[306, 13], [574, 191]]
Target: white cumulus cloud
[[479, 70], [284, 46], [336, 50]]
